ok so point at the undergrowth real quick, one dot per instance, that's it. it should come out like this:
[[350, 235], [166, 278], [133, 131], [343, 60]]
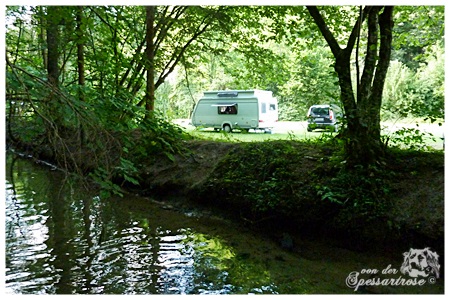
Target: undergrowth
[[302, 179], [153, 137]]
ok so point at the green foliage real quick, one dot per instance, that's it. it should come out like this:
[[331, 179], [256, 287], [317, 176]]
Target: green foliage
[[262, 185], [427, 98], [263, 179], [126, 172], [107, 188], [411, 139], [399, 79], [267, 47], [312, 81], [361, 193], [417, 93], [417, 29], [118, 138], [154, 135]]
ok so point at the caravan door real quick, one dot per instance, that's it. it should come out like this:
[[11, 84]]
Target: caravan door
[[268, 113]]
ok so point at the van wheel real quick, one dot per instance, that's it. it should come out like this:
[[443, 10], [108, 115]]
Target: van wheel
[[227, 128]]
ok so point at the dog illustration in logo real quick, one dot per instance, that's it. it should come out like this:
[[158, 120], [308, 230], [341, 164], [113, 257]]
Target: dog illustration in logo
[[420, 262]]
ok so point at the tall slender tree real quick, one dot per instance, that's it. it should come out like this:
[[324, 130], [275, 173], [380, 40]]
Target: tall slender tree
[[53, 41], [53, 20], [80, 50], [150, 58]]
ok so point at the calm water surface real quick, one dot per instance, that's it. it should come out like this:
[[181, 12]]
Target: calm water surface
[[63, 239]]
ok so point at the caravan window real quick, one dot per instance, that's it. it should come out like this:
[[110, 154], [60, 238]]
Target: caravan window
[[272, 107], [228, 109], [263, 107]]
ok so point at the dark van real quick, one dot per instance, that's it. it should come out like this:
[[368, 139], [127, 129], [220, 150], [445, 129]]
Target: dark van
[[324, 116]]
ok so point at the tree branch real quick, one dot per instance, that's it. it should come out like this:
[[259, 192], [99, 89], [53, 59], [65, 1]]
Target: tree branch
[[133, 62], [355, 31], [371, 55], [357, 50], [162, 31], [170, 65], [327, 34], [386, 23]]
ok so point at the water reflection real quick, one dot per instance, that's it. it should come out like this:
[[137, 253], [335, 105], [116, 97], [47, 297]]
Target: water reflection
[[62, 240]]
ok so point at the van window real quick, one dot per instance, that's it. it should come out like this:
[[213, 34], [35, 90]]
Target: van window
[[272, 107], [319, 111], [227, 110], [263, 107]]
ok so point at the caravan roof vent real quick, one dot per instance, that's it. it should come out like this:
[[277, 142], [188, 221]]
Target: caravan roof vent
[[227, 94]]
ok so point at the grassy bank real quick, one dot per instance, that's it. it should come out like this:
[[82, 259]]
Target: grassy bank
[[404, 133], [301, 186]]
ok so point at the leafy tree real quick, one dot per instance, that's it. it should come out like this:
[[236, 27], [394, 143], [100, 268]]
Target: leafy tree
[[426, 95], [80, 41], [418, 93], [246, 56], [104, 60], [362, 134], [399, 80], [417, 30], [312, 81], [171, 30]]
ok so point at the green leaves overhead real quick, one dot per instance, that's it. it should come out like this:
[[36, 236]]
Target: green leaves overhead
[[417, 29], [208, 47]]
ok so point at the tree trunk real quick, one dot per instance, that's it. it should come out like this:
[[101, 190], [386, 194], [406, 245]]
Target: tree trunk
[[362, 134], [364, 145], [150, 55], [80, 51], [53, 39], [42, 38], [52, 45], [80, 65]]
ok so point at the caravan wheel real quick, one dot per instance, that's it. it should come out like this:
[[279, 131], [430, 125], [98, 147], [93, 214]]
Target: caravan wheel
[[227, 128]]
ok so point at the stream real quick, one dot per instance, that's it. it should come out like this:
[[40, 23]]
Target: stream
[[62, 238]]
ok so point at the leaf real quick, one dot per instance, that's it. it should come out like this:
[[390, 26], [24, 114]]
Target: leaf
[[131, 180], [170, 156]]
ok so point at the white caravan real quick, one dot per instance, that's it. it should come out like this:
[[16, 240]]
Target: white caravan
[[244, 110]]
